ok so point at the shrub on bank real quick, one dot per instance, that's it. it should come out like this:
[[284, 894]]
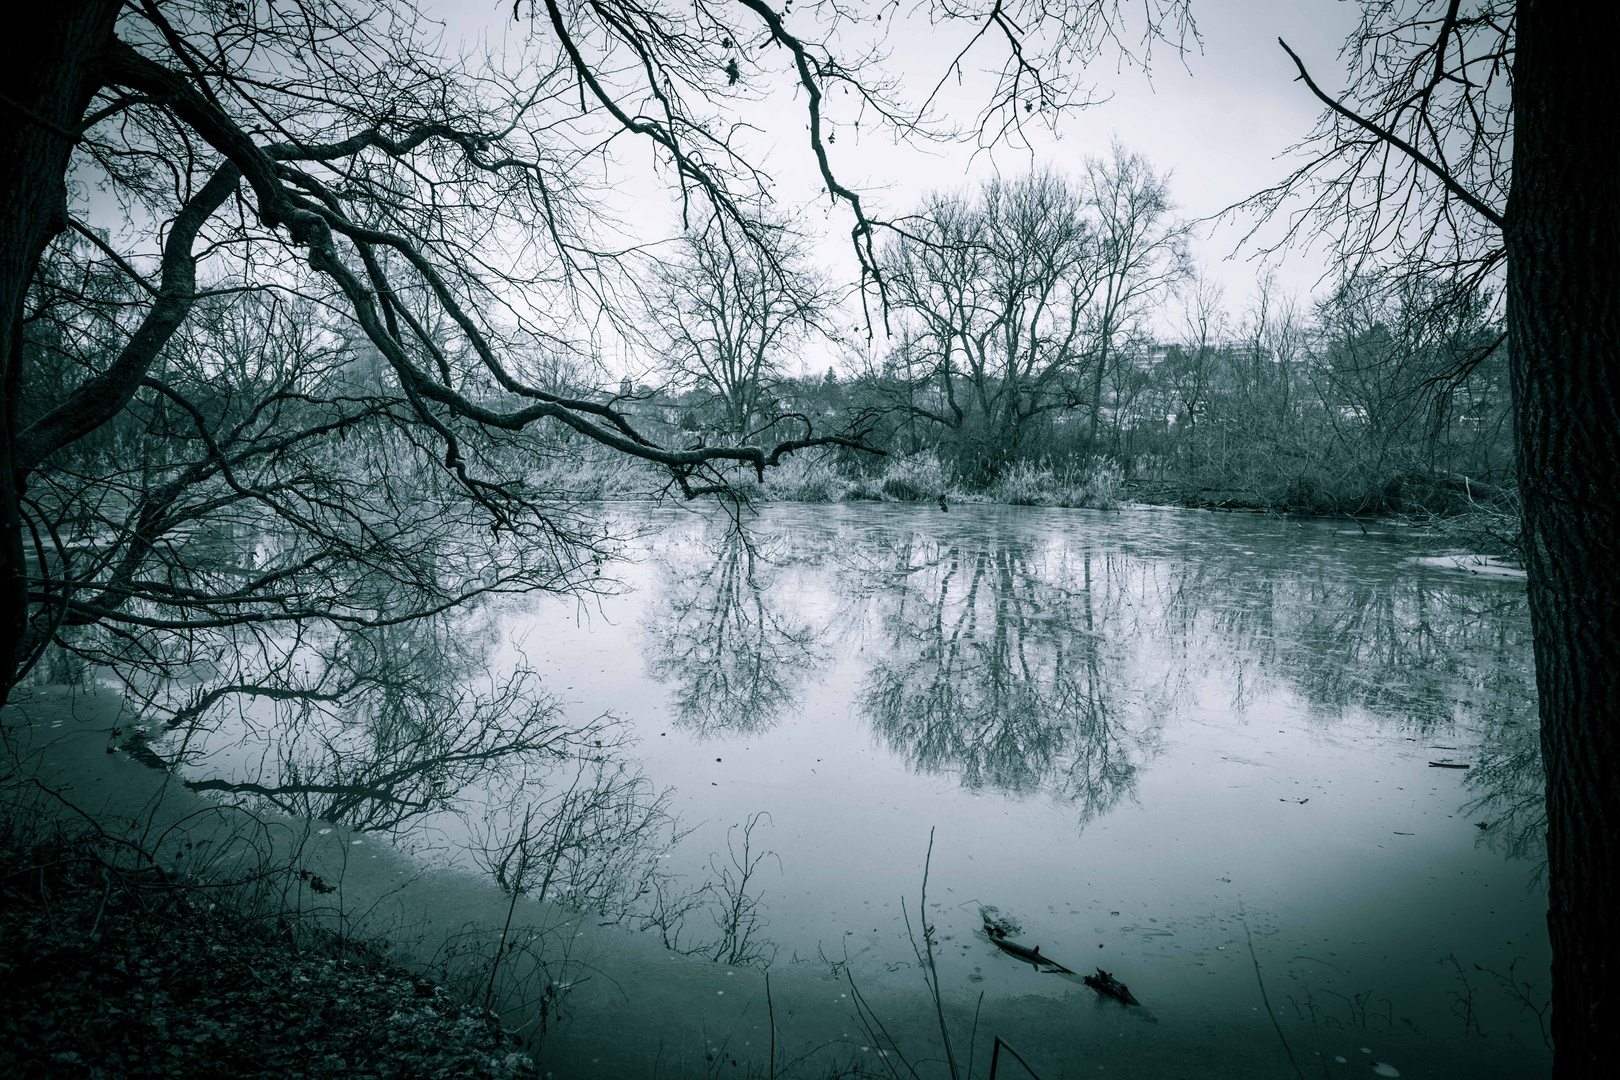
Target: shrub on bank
[[806, 479], [1023, 485], [591, 474], [915, 478], [587, 472], [921, 478], [1094, 485]]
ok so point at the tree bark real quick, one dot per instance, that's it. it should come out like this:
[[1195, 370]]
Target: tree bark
[[1563, 297], [103, 396], [48, 73]]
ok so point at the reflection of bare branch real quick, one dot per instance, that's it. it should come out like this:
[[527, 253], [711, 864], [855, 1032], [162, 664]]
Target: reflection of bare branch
[[523, 971], [1509, 786], [1000, 674], [734, 663], [737, 916], [383, 729], [591, 842], [727, 898], [1526, 993]]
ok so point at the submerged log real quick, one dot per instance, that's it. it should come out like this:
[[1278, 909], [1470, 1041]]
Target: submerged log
[[1028, 955], [1108, 986], [996, 929]]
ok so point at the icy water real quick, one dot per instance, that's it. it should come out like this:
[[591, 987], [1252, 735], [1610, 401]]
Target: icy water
[[1134, 732], [1175, 745]]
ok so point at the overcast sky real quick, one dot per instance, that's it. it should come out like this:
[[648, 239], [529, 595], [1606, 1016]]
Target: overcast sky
[[1218, 118]]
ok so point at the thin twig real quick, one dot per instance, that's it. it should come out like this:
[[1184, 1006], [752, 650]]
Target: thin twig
[[770, 1009], [106, 889], [1263, 998], [995, 1053], [925, 958]]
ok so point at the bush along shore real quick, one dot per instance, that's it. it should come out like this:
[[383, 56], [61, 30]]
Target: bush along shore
[[1452, 509], [112, 967], [914, 478]]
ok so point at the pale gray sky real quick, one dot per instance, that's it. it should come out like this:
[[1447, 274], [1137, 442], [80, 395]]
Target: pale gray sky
[[1219, 119]]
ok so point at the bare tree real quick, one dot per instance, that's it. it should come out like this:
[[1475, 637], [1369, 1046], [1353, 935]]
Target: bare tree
[[1141, 254], [1383, 346], [1472, 146], [731, 314], [998, 290], [1205, 329], [1024, 299], [1270, 339]]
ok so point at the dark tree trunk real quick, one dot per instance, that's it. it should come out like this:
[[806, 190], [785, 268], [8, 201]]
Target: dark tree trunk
[[1563, 246], [1096, 393], [47, 76]]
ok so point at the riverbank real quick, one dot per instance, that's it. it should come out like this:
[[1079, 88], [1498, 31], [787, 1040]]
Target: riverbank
[[263, 945], [1314, 836], [1458, 512], [145, 931], [112, 968]]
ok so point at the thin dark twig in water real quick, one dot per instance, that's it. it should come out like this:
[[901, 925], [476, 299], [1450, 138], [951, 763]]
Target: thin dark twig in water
[[106, 890], [517, 890], [45, 900], [873, 1025], [973, 1034], [1463, 1004], [770, 1010], [1263, 998], [995, 1059], [925, 956], [1520, 990]]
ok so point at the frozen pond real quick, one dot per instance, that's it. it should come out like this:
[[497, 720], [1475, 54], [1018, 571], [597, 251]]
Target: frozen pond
[[1146, 736], [1125, 729]]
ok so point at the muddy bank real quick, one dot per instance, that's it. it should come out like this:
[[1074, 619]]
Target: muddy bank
[[110, 969]]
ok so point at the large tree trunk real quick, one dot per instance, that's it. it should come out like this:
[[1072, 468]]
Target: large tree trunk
[[1563, 245], [47, 76]]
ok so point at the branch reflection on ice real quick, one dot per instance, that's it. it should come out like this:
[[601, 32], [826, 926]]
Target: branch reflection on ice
[[999, 667], [732, 654]]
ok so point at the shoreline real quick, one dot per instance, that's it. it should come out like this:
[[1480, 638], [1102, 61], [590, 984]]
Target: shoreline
[[632, 1008]]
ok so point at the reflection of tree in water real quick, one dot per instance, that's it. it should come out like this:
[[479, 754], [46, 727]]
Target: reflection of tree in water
[[1417, 652], [379, 726], [1034, 665], [1005, 667], [1427, 656], [371, 728], [1430, 659], [587, 833], [1509, 786], [1414, 651], [734, 662]]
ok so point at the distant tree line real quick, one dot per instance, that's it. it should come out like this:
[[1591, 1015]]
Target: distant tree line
[[1047, 320]]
